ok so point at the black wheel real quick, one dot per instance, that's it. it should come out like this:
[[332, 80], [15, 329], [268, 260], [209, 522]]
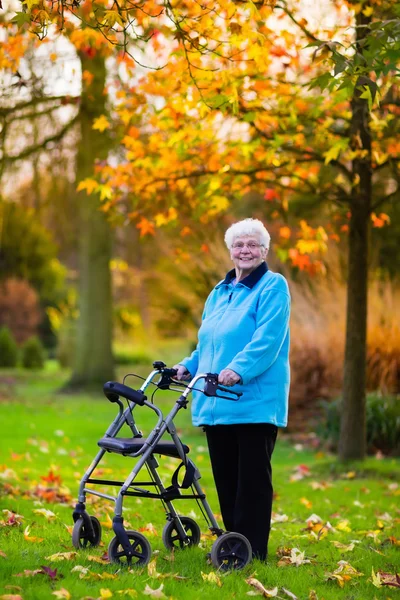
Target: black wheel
[[141, 550], [80, 536], [231, 551], [171, 538]]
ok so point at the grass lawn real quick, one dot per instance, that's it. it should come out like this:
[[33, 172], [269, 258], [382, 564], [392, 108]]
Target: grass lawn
[[329, 512]]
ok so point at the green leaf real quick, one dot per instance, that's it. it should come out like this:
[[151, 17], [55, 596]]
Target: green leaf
[[333, 153], [249, 117], [21, 18]]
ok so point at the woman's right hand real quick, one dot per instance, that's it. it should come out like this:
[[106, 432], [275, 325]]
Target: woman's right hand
[[182, 374]]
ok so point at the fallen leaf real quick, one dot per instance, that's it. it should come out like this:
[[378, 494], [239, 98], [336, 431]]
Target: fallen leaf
[[49, 516], [158, 593], [61, 556], [260, 588], [343, 547], [211, 578], [289, 594], [345, 572], [11, 597], [30, 538], [152, 569], [307, 503], [391, 579], [105, 593], [376, 579], [149, 529], [98, 559], [63, 593], [343, 526], [128, 592], [312, 595], [296, 558], [107, 523], [3, 554], [81, 570]]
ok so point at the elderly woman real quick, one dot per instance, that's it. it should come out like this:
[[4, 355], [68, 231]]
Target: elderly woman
[[244, 336]]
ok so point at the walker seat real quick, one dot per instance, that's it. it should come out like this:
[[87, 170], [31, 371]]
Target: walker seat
[[127, 446]]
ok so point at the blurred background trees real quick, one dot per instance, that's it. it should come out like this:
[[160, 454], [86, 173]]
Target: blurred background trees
[[120, 181]]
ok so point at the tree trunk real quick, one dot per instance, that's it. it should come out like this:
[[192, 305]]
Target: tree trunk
[[93, 357], [352, 442]]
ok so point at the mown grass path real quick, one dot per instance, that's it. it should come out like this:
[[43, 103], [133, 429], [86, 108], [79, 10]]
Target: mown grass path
[[329, 513]]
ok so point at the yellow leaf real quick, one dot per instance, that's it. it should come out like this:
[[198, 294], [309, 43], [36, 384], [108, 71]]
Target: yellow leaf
[[30, 3], [61, 556], [105, 593], [343, 526], [101, 123], [343, 547], [49, 516], [211, 578], [368, 11], [376, 579], [107, 523], [87, 184], [307, 503]]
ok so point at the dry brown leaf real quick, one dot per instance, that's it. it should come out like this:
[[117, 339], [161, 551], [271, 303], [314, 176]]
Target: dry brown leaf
[[289, 594], [158, 593], [260, 588], [296, 558]]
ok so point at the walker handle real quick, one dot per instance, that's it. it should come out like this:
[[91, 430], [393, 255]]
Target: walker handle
[[211, 386]]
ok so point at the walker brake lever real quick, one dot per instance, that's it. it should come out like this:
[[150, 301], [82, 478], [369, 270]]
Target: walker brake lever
[[211, 386], [166, 378]]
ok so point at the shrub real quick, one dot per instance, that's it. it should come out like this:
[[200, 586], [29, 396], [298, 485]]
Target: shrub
[[19, 308], [8, 349], [383, 424], [33, 355], [134, 357]]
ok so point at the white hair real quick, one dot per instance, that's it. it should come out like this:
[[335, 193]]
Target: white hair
[[247, 227]]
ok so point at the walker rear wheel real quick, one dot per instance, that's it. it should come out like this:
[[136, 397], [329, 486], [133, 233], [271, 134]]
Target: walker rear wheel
[[231, 551], [141, 550], [81, 537], [172, 539]]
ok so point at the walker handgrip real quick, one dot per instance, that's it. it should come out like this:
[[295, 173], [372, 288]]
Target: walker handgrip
[[211, 386], [112, 389]]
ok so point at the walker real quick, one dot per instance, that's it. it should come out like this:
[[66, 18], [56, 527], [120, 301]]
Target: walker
[[229, 551]]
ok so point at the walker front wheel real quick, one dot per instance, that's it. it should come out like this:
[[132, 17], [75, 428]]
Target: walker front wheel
[[231, 551], [172, 539], [140, 548], [81, 537]]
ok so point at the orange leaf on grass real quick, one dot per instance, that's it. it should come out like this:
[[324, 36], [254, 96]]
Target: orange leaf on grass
[[30, 538]]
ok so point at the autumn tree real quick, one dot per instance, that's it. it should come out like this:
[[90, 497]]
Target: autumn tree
[[307, 116]]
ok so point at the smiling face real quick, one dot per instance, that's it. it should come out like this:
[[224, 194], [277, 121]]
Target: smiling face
[[247, 254]]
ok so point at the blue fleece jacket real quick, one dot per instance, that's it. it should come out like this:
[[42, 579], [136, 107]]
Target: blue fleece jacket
[[245, 328]]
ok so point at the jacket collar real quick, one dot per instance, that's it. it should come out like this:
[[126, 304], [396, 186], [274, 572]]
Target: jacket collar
[[249, 281]]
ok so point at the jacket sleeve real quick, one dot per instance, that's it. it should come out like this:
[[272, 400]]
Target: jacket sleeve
[[272, 327]]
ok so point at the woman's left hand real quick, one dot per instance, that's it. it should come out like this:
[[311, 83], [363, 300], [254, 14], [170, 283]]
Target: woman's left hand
[[228, 377]]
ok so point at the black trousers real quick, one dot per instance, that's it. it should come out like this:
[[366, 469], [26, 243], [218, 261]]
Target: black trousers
[[241, 464]]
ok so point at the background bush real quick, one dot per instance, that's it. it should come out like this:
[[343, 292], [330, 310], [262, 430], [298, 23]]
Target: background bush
[[8, 349], [33, 354], [383, 424]]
